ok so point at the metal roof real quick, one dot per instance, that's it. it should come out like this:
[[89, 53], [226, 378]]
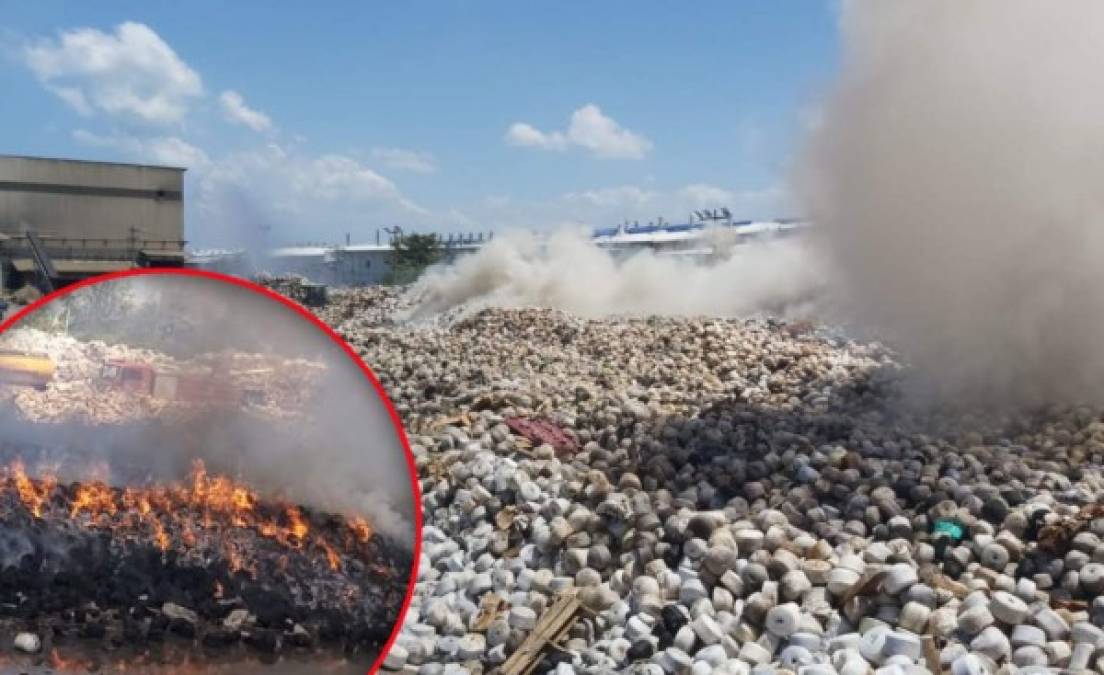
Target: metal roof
[[313, 251], [656, 234], [76, 266], [161, 254], [215, 252], [299, 251], [94, 161], [361, 248]]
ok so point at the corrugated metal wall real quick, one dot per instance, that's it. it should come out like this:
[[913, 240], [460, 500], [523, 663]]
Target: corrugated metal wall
[[91, 201]]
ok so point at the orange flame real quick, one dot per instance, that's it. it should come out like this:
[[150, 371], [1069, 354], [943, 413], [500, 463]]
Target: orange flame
[[193, 509], [188, 537], [297, 526], [160, 536], [34, 497], [361, 529], [58, 663], [331, 555], [148, 665], [96, 498]]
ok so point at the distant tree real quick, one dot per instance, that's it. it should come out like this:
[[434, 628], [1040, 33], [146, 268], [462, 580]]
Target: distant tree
[[411, 254]]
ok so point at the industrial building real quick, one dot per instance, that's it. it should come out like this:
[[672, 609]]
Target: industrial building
[[352, 264], [224, 260], [62, 220], [695, 239], [370, 264]]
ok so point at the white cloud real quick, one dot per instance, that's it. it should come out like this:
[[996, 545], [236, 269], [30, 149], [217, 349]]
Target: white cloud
[[235, 110], [279, 195], [272, 194], [167, 150], [131, 73], [621, 197], [177, 152], [74, 97], [335, 177], [407, 160], [605, 137], [705, 196], [525, 135], [589, 129], [609, 206]]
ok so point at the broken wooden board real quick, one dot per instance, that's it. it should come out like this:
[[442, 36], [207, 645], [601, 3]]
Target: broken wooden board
[[931, 654], [941, 581], [550, 631], [864, 586], [506, 517], [459, 420], [523, 446], [490, 608]]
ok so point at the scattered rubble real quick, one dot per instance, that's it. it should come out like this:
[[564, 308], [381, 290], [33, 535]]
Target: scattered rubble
[[297, 287], [747, 498], [78, 394]]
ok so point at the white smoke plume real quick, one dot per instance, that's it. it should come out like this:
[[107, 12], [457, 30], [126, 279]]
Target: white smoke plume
[[956, 175], [567, 271]]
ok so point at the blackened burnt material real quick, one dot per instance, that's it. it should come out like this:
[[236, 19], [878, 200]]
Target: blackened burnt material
[[138, 566]]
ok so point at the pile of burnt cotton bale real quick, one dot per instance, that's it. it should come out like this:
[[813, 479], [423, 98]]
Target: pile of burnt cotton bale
[[746, 497]]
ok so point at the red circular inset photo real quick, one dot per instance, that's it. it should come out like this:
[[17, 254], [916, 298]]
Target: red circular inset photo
[[195, 471]]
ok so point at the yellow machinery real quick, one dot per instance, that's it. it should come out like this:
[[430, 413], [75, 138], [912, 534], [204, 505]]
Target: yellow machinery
[[22, 368]]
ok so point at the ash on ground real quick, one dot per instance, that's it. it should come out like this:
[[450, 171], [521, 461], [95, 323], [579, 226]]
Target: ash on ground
[[746, 496]]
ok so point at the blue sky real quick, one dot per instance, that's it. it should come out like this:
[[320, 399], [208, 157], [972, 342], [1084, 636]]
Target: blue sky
[[303, 122]]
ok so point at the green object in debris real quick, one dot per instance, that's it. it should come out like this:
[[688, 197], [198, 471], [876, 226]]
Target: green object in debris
[[950, 528]]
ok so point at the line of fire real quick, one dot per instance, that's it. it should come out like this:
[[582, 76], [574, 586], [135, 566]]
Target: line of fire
[[137, 530]]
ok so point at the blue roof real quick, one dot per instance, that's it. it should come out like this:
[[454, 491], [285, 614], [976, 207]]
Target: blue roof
[[648, 229], [680, 227], [685, 227]]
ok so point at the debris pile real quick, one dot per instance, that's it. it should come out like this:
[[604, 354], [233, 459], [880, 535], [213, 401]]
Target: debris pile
[[298, 288], [746, 496], [78, 393], [205, 563]]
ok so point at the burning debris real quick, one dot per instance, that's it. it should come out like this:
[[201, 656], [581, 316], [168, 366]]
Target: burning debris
[[206, 562], [190, 493]]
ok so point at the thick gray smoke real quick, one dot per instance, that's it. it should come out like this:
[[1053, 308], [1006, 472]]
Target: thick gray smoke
[[567, 271], [956, 175]]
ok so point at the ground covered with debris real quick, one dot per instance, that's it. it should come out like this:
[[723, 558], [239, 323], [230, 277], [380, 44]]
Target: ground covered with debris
[[78, 391], [205, 564], [742, 496]]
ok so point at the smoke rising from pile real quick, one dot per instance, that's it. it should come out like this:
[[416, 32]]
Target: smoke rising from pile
[[568, 272], [957, 176]]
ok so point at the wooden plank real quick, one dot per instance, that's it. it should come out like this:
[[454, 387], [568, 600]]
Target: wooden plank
[[550, 630], [865, 586], [555, 627], [958, 589], [489, 609], [931, 655]]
